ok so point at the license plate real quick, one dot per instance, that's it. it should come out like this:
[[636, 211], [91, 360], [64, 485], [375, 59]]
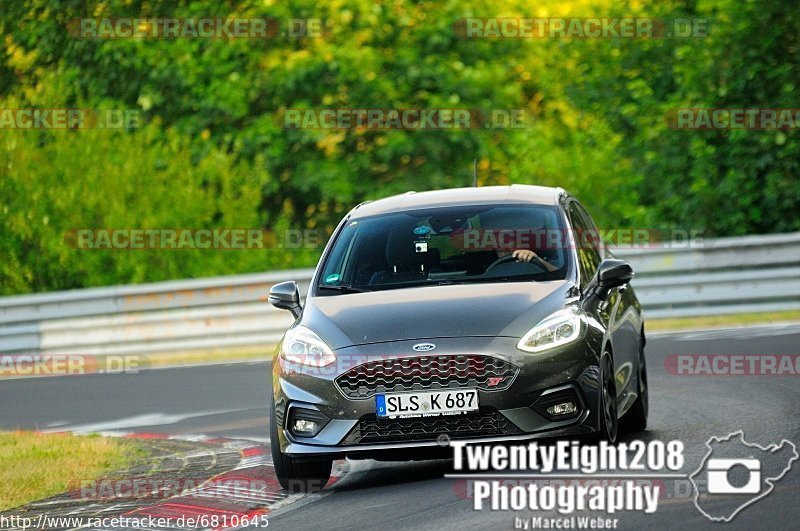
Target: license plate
[[428, 403]]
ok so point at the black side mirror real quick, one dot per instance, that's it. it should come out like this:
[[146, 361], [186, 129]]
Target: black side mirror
[[286, 296], [611, 273]]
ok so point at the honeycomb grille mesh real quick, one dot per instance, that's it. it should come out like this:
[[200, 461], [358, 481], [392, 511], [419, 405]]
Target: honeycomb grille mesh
[[371, 430], [426, 373]]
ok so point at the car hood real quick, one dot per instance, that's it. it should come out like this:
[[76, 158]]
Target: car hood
[[498, 309]]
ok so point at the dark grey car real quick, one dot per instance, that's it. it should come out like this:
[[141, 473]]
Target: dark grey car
[[482, 314]]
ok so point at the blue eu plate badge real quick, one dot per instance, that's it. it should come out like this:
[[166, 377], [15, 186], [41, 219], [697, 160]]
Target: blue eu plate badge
[[380, 405]]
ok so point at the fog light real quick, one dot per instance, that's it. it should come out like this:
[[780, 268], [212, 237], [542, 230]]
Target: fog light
[[559, 404], [564, 408], [306, 427], [306, 422]]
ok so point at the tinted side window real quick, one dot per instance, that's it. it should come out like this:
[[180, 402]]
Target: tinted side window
[[585, 242], [596, 241]]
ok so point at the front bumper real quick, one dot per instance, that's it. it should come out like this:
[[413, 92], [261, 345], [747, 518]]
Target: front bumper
[[514, 413]]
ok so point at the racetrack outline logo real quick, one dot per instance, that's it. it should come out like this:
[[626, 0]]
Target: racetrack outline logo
[[768, 479]]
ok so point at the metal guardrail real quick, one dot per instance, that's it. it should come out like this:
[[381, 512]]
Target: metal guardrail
[[731, 275], [207, 313], [722, 276]]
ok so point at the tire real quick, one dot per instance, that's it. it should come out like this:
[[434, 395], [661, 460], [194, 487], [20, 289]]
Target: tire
[[297, 475], [609, 421], [635, 420]]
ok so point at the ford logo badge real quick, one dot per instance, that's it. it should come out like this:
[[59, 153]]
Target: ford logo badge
[[423, 347]]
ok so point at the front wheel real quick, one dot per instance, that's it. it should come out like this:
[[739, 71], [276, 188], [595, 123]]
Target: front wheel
[[297, 474], [635, 420], [609, 421]]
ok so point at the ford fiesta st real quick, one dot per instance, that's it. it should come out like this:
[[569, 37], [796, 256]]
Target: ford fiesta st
[[479, 314]]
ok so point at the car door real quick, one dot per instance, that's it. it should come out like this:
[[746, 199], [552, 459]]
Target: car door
[[620, 313], [611, 311]]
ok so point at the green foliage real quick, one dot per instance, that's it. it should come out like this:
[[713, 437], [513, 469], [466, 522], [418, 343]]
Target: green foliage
[[212, 150], [144, 179]]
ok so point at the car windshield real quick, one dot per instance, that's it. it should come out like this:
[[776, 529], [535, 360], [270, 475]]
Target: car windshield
[[487, 243]]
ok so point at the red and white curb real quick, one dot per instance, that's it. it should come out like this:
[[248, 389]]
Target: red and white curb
[[242, 494]]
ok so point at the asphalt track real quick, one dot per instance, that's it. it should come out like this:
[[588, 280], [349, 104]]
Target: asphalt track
[[230, 400]]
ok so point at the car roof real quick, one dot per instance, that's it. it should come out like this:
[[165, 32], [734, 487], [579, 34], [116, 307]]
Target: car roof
[[515, 193]]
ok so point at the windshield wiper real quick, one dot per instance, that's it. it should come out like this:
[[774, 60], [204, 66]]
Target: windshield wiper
[[345, 288], [445, 281], [489, 280]]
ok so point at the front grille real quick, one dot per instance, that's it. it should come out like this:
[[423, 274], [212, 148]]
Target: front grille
[[487, 422], [423, 373]]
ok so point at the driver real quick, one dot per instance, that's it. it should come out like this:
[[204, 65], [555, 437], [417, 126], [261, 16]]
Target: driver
[[526, 255], [502, 223]]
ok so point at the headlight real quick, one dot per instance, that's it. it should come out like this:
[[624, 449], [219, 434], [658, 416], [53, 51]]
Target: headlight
[[558, 329], [301, 345]]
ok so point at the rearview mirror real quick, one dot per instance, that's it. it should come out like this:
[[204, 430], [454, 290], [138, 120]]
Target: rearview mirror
[[612, 273], [286, 296]]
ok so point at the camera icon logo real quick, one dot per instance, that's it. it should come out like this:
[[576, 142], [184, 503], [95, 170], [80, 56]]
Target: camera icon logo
[[720, 471], [735, 474]]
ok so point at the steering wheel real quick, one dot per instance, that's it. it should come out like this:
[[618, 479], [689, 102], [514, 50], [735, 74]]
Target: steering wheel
[[501, 260], [506, 259]]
